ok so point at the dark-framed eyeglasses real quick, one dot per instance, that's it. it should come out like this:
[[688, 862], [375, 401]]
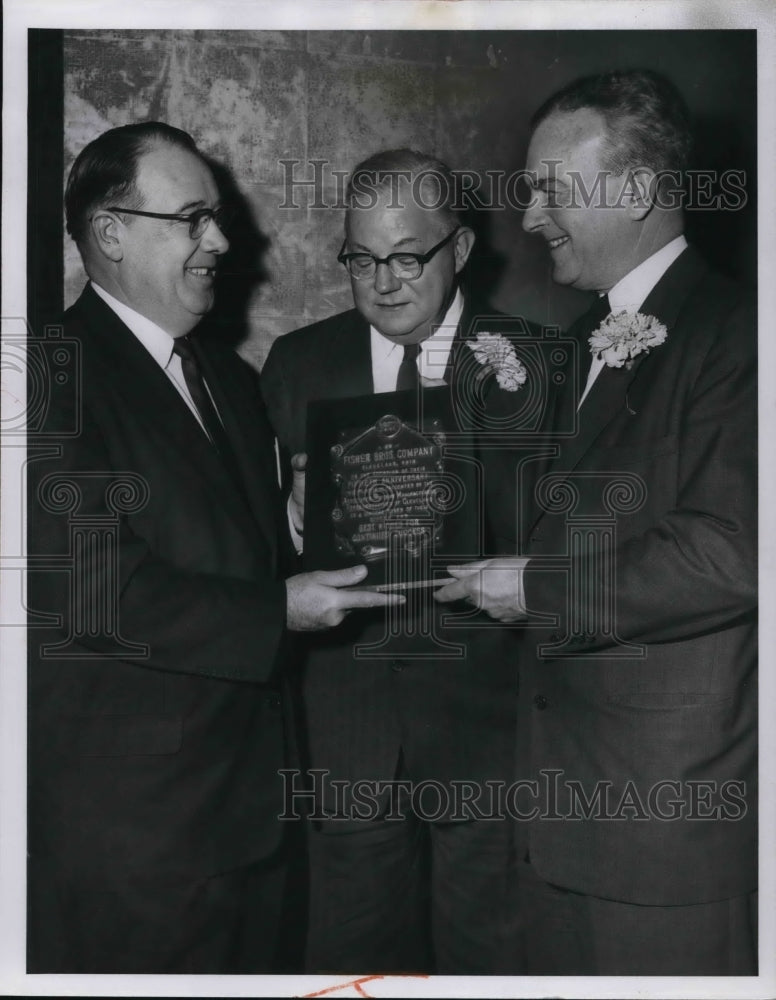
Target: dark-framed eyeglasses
[[406, 266], [198, 221]]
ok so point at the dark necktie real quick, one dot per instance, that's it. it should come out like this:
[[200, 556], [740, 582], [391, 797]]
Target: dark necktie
[[593, 318], [584, 327], [408, 377], [192, 373], [199, 394]]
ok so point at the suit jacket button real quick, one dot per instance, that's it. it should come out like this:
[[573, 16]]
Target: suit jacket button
[[540, 702], [397, 666]]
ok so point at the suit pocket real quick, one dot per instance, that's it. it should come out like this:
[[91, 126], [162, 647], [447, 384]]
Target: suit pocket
[[122, 735], [675, 717]]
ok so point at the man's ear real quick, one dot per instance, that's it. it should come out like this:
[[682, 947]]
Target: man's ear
[[640, 192], [106, 234], [463, 243]]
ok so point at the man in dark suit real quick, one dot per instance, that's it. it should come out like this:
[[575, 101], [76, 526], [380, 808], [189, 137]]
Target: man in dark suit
[[420, 713], [155, 697], [638, 706]]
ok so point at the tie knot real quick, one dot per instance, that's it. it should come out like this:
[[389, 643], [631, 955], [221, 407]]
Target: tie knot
[[182, 347], [411, 352]]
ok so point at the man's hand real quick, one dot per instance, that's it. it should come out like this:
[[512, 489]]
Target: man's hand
[[314, 601], [296, 500], [493, 585]]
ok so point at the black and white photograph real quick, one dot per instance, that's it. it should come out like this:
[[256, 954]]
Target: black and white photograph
[[385, 477]]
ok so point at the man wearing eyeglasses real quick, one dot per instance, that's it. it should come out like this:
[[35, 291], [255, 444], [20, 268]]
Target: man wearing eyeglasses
[[156, 709], [420, 890]]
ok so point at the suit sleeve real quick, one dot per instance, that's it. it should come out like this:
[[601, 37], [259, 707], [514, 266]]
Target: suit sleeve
[[693, 570], [189, 622], [278, 391]]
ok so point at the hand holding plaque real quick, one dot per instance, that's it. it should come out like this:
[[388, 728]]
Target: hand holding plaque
[[320, 600]]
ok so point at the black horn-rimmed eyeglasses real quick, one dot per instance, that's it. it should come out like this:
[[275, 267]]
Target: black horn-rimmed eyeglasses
[[406, 266], [198, 221]]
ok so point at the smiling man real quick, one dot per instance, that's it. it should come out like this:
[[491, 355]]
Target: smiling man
[[645, 682], [384, 888], [156, 722], [172, 273], [598, 219]]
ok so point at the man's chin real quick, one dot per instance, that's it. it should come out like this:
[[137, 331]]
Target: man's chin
[[200, 306], [574, 279], [405, 338], [562, 276], [400, 333]]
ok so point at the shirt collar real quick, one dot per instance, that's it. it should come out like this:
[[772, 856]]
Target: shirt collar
[[156, 341], [630, 292], [435, 350]]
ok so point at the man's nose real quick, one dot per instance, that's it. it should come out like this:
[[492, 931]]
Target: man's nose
[[385, 280], [213, 240]]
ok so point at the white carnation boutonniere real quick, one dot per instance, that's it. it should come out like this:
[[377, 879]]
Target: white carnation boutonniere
[[624, 335], [497, 356]]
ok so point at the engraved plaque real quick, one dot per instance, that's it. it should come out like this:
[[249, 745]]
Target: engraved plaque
[[383, 488]]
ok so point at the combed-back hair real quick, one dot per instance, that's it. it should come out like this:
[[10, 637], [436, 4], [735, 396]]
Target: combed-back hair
[[105, 171], [647, 120]]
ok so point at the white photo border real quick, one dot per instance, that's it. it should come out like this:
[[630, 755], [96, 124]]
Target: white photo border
[[212, 15]]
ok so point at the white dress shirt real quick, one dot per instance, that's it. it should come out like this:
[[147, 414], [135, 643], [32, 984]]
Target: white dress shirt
[[434, 351], [631, 291], [157, 342]]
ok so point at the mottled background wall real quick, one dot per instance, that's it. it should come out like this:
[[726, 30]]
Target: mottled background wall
[[253, 99]]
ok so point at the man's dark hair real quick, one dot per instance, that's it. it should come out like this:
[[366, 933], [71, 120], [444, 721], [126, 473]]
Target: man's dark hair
[[105, 171], [382, 171], [646, 118]]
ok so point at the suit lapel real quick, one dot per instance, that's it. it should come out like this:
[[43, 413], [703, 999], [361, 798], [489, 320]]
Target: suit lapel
[[605, 399], [463, 332], [146, 391], [670, 293], [608, 395], [349, 362], [253, 449]]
